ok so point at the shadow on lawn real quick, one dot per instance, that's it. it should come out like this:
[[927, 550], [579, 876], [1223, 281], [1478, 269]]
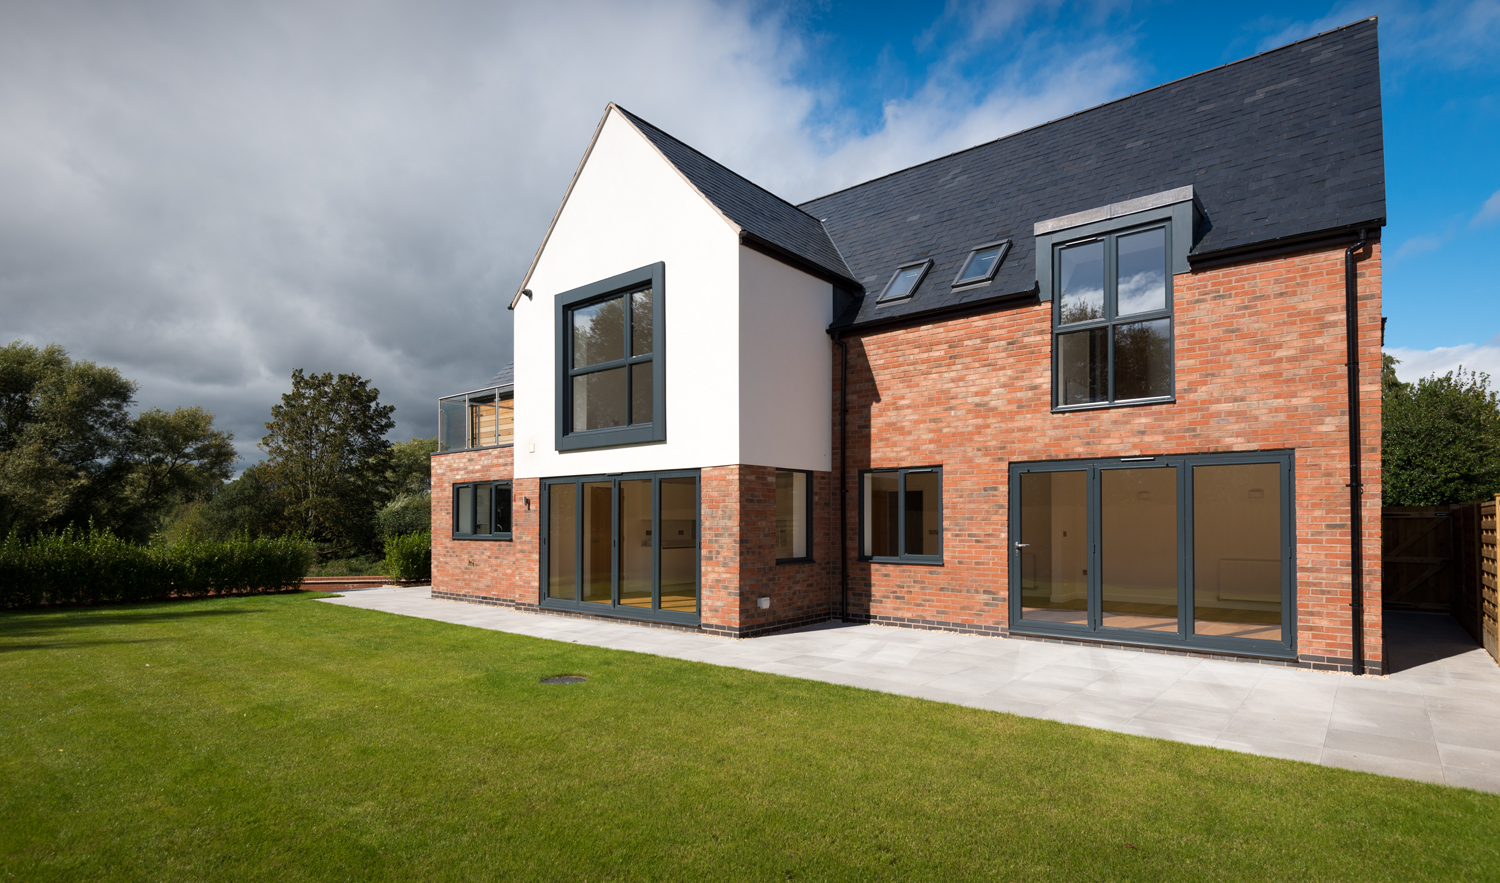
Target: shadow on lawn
[[36, 624], [73, 645]]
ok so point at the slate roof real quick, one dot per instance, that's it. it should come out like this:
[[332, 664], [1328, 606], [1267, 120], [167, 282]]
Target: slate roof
[[1278, 146], [759, 213], [505, 378]]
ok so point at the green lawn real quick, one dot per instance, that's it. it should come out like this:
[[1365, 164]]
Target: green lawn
[[277, 738]]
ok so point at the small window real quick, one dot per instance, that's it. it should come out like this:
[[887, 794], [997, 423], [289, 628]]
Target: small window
[[793, 516], [481, 510], [905, 281], [901, 515], [980, 266]]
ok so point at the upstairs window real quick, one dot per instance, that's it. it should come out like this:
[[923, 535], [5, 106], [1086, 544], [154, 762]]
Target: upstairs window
[[611, 366], [1112, 318], [980, 266], [904, 282]]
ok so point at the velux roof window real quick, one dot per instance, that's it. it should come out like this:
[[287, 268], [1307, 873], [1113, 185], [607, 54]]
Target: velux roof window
[[906, 280], [981, 264]]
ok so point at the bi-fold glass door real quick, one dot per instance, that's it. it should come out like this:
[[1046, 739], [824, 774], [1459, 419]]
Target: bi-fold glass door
[[1194, 550], [622, 544]]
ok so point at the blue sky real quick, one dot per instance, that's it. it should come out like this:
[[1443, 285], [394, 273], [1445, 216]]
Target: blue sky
[[209, 196], [1440, 90]]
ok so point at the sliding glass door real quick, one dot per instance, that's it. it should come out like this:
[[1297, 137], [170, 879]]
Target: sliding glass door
[[626, 545], [1193, 550]]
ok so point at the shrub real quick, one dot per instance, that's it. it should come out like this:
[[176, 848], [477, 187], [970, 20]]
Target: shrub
[[405, 514], [409, 557], [96, 567]]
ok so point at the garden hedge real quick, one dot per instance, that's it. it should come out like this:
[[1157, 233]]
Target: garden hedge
[[83, 567]]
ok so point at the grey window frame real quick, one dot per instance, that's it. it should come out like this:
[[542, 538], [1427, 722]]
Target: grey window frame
[[887, 298], [568, 439], [615, 608], [1286, 648], [493, 534], [902, 557], [1179, 212], [807, 519], [958, 280]]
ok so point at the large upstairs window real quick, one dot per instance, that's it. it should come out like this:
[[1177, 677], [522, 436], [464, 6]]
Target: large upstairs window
[[611, 368]]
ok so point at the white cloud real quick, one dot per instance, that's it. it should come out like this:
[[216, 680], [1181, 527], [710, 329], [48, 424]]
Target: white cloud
[[1488, 213], [1449, 33], [208, 196], [1416, 364], [1418, 245]]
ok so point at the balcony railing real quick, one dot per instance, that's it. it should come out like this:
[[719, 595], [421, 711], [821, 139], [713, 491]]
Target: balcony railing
[[484, 418]]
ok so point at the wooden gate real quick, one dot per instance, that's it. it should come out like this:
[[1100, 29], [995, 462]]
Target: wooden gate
[[1417, 557], [1488, 576]]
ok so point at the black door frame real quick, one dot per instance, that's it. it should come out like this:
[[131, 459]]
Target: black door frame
[[1286, 648], [615, 608]]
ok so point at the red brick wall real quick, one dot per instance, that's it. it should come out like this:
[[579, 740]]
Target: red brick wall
[[1259, 366], [496, 571], [739, 554]]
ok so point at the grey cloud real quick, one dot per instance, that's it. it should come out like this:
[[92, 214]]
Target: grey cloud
[[211, 195]]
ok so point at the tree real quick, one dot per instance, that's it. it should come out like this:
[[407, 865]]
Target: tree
[[64, 439], [179, 458], [411, 466], [70, 452], [328, 457], [1440, 438]]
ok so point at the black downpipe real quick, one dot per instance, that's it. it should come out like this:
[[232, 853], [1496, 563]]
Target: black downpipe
[[1356, 487], [838, 338]]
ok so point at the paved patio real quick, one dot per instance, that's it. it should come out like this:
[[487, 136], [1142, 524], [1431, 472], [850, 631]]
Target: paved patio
[[1436, 719]]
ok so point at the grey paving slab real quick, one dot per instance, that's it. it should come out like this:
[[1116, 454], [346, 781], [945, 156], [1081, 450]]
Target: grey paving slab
[[1436, 719]]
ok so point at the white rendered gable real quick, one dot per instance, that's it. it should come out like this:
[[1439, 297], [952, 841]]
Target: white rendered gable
[[629, 207]]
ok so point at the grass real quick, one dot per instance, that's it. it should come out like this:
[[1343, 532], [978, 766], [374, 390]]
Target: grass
[[275, 738]]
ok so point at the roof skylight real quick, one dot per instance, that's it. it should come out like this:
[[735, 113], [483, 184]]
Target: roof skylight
[[906, 280], [982, 263]]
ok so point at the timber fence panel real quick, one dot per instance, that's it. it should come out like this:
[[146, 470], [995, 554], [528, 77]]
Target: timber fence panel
[[1489, 576]]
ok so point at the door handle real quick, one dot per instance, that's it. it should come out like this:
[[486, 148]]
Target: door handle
[[1022, 545]]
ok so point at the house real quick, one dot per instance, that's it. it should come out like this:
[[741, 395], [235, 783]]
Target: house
[[1111, 379]]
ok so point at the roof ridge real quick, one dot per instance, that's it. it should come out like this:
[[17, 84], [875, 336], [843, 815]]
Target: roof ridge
[[1084, 111], [637, 118]]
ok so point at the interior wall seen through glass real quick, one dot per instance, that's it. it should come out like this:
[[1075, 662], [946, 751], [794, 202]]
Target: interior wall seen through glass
[[464, 507], [1237, 551], [598, 541], [482, 509], [791, 514], [1138, 548], [562, 547], [924, 513], [882, 514], [1053, 555], [635, 542], [679, 544]]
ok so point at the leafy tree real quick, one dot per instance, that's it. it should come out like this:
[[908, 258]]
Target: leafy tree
[[251, 505], [1440, 438], [65, 435], [179, 458], [328, 458], [71, 453], [411, 466]]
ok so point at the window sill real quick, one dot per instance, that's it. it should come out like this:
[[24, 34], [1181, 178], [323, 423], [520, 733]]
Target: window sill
[[1100, 406], [804, 560], [482, 537], [639, 434], [929, 561]]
